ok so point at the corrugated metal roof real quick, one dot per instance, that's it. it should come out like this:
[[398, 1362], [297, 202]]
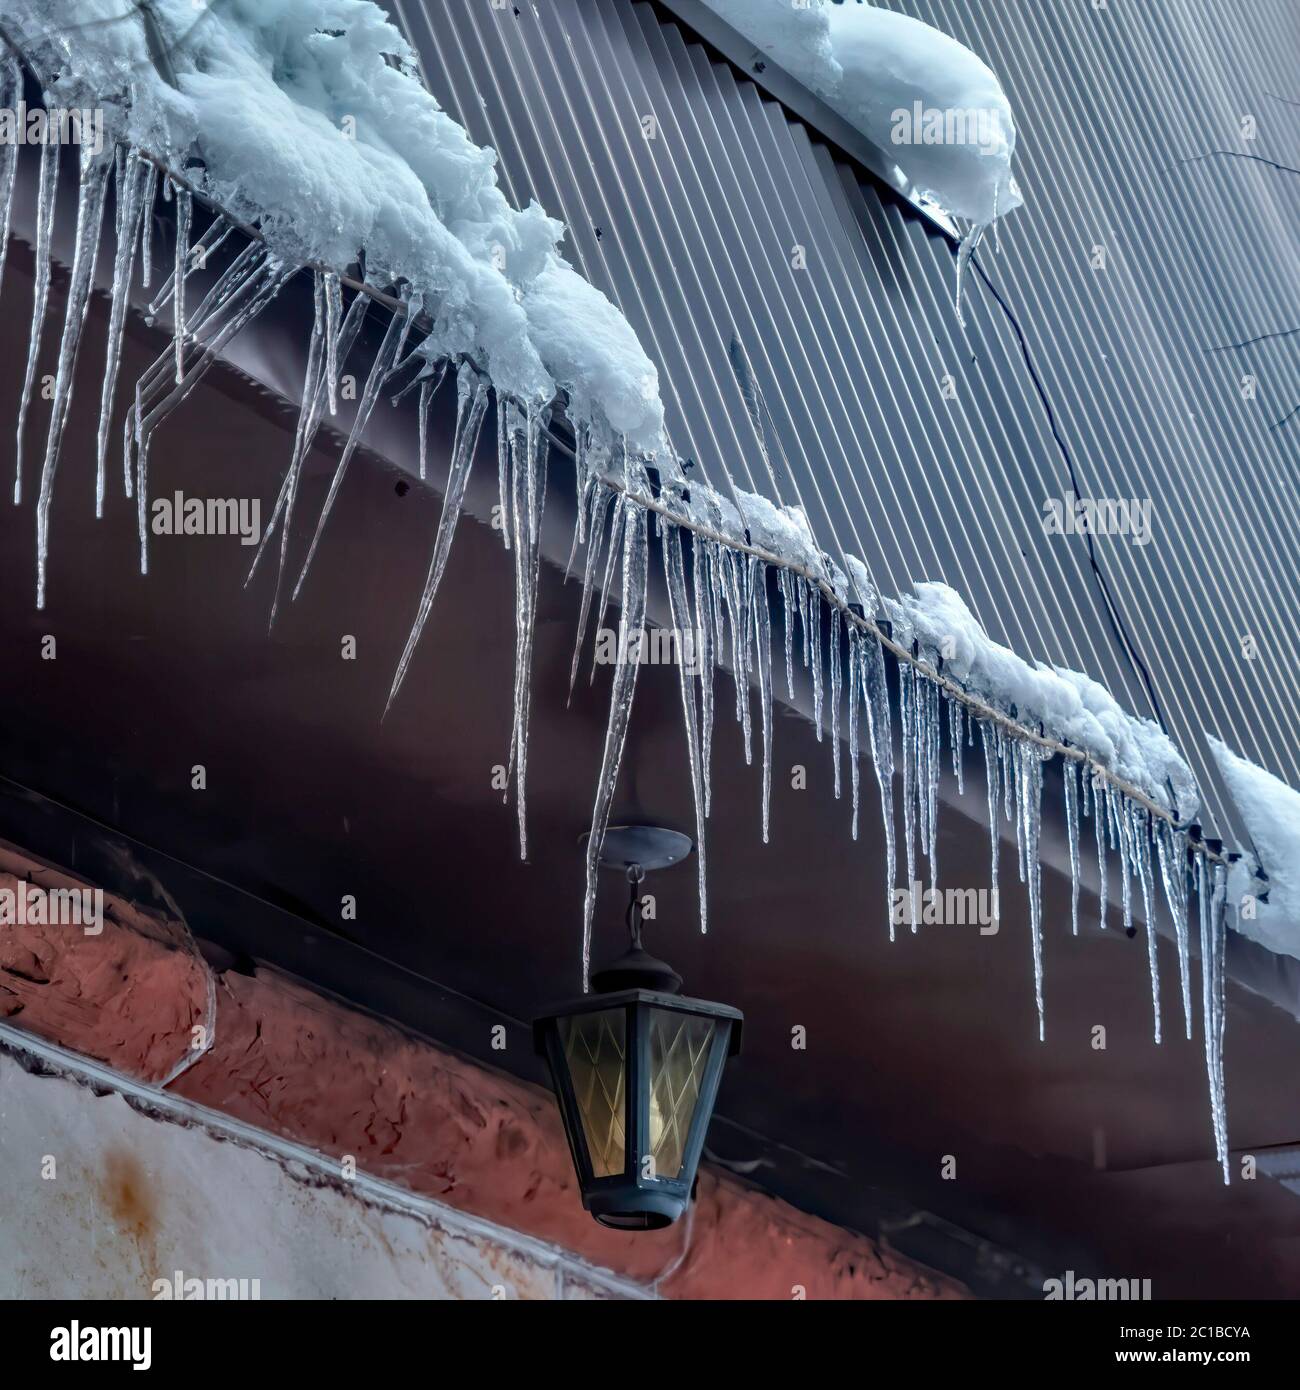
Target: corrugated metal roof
[[693, 228]]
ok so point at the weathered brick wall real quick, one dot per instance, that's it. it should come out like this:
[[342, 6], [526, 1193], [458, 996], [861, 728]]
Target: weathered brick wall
[[267, 1051]]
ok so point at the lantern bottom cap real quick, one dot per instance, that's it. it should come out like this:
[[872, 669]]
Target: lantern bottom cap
[[646, 1211]]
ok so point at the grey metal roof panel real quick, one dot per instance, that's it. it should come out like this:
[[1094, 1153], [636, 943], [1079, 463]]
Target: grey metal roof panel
[[692, 233]]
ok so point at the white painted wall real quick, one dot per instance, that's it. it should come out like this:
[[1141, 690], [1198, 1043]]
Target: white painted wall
[[99, 1200]]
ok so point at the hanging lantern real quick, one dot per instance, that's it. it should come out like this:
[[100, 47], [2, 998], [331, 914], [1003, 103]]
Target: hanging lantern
[[636, 1065]]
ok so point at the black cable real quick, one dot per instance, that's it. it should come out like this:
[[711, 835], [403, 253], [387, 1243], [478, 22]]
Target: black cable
[[1112, 610]]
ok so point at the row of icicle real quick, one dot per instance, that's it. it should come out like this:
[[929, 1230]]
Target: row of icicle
[[722, 595]]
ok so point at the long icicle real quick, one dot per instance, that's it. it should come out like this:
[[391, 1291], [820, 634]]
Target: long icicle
[[1070, 776], [833, 656], [1029, 800], [855, 687], [992, 769], [312, 382], [333, 314], [703, 585], [529, 451], [1212, 900], [132, 178], [260, 286], [875, 693], [907, 719], [762, 616], [505, 409], [601, 497], [680, 617], [11, 90], [184, 220], [472, 402], [1140, 821], [620, 712], [90, 215], [45, 198], [233, 284], [1171, 849], [309, 422], [614, 551], [1099, 830], [379, 371]]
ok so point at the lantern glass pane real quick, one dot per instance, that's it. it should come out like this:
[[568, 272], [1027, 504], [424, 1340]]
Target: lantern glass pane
[[595, 1048], [679, 1056]]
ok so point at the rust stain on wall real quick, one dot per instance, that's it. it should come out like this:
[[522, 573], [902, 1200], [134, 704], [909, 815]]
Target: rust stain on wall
[[127, 1199]]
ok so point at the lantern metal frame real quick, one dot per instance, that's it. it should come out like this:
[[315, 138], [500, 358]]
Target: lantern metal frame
[[638, 986]]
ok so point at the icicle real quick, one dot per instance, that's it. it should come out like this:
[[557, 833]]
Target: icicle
[[680, 616], [1099, 830], [409, 314], [854, 687], [11, 90], [875, 693], [579, 527], [211, 240], [1070, 775], [505, 411], [309, 419], [635, 551], [258, 284], [600, 500], [311, 387], [132, 178], [836, 675], [907, 696], [992, 769], [427, 388], [717, 580], [956, 731], [581, 477], [815, 613], [333, 313], [49, 183], [1121, 828], [365, 406], [762, 618], [704, 596], [930, 786], [90, 215], [735, 588], [529, 452], [1021, 823], [965, 250], [1171, 847], [1029, 759], [1005, 756], [617, 523], [146, 237], [1212, 901], [1140, 837], [472, 402], [788, 605], [184, 219]]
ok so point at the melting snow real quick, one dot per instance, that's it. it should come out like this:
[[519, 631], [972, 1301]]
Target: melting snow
[[1071, 707], [927, 101], [1271, 811], [310, 121]]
